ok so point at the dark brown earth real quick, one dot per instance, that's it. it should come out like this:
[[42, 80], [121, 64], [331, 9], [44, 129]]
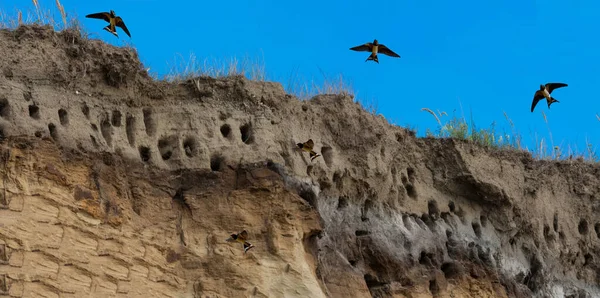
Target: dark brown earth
[[114, 184]]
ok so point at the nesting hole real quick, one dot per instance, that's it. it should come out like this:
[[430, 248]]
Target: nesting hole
[[94, 142], [216, 162], [4, 108], [130, 129], [106, 130], [451, 206], [411, 174], [583, 227], [34, 112], [63, 116], [85, 110], [555, 222], [149, 122], [225, 130], [167, 146], [342, 202], [434, 287], [190, 146], [368, 205], [483, 220], [52, 130], [597, 229], [433, 210], [360, 233], [411, 191], [451, 270], [144, 153], [116, 118], [327, 153], [476, 228], [247, 133], [309, 195]]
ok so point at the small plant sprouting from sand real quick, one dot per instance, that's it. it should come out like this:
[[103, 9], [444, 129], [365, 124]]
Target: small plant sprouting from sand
[[459, 128]]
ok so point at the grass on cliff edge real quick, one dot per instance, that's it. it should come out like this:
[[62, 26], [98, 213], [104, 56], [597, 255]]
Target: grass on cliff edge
[[186, 69]]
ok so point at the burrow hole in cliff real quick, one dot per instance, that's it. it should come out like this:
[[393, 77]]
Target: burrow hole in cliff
[[116, 118], [434, 287], [342, 202], [225, 130], [94, 127], [247, 133], [433, 210], [548, 236], [4, 108], [190, 146], [483, 220], [149, 122], [3, 133], [63, 116], [53, 131], [411, 191], [451, 270], [451, 206], [410, 188], [597, 229], [368, 205], [476, 228], [144, 153], [373, 283], [555, 222], [34, 112], [327, 153], [583, 227], [107, 130], [217, 162], [94, 142], [411, 174], [85, 110], [309, 195], [167, 146], [130, 129]]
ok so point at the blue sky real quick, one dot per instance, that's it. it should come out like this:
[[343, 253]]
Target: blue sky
[[479, 56]]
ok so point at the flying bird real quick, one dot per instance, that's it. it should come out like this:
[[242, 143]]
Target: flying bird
[[308, 147], [544, 92], [375, 47], [112, 19], [241, 237]]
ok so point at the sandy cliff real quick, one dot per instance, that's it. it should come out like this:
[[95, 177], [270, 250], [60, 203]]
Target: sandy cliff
[[116, 185]]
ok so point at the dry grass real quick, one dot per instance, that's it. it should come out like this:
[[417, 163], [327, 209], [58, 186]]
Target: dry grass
[[39, 16], [184, 69], [458, 127]]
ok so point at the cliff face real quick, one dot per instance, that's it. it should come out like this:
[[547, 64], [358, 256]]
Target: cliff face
[[115, 185]]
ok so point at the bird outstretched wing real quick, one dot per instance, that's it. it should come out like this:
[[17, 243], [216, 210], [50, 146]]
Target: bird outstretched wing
[[363, 48], [99, 15], [386, 51], [536, 98], [119, 23], [552, 86]]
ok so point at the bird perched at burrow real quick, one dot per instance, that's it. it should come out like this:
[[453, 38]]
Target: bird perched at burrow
[[308, 147], [241, 237], [375, 47], [113, 21], [544, 92]]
